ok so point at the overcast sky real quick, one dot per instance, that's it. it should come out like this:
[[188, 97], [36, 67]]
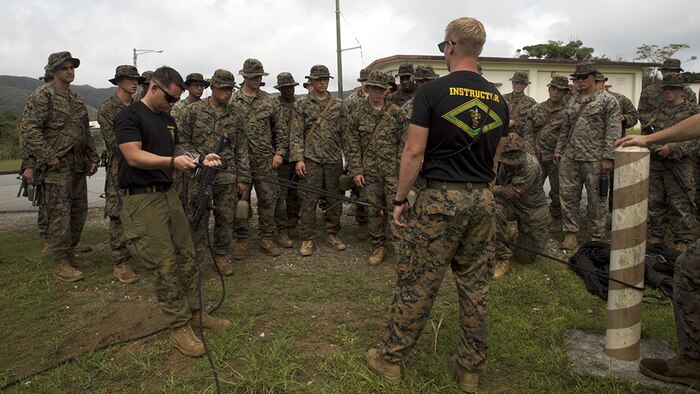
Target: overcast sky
[[293, 35]]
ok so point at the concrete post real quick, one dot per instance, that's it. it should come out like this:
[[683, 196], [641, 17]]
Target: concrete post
[[627, 252]]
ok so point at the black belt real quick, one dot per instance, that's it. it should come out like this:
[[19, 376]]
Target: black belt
[[439, 185], [132, 190]]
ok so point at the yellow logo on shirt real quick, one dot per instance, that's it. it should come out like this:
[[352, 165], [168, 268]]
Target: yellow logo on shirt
[[469, 117], [171, 129]]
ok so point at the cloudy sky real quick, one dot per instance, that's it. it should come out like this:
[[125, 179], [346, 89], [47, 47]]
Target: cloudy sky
[[292, 35]]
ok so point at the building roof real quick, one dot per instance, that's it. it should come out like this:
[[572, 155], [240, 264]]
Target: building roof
[[512, 60]]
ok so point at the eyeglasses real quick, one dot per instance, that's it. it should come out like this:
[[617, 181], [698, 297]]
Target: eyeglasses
[[581, 77], [441, 46], [168, 97]]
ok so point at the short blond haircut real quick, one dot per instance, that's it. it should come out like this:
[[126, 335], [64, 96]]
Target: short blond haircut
[[468, 33]]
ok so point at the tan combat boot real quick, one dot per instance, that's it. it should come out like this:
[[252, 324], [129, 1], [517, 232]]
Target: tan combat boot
[[223, 265], [362, 232], [268, 247], [501, 268], [468, 381], [652, 240], [681, 246], [79, 264], [183, 339], [210, 322], [307, 248], [63, 271], [388, 371], [335, 242], [377, 256], [283, 239], [124, 273], [240, 248], [569, 242]]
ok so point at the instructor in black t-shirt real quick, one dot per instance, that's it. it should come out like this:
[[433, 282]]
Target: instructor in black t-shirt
[[455, 136], [153, 217]]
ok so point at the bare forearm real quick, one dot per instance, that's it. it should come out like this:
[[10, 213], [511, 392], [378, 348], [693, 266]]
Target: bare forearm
[[139, 158], [682, 131]]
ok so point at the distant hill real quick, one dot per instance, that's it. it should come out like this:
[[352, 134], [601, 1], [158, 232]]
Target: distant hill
[[14, 92]]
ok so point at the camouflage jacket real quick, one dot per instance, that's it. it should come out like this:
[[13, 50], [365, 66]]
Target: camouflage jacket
[[375, 140], [588, 134], [666, 116], [105, 117], [399, 97], [55, 125], [266, 132], [325, 144], [290, 117], [526, 177], [542, 128], [627, 110], [354, 100], [518, 108], [178, 110], [202, 126], [407, 108], [651, 99]]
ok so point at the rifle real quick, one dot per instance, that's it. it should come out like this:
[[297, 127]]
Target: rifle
[[200, 202], [24, 182]]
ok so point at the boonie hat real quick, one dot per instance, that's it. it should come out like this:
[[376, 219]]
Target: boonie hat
[[424, 72], [222, 79], [405, 69], [56, 59], [128, 71], [319, 71], [676, 80], [285, 79], [364, 73], [378, 78], [559, 81], [252, 68], [196, 78], [671, 64], [520, 76], [584, 68]]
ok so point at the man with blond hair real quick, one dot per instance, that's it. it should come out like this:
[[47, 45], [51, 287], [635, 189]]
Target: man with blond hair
[[454, 142]]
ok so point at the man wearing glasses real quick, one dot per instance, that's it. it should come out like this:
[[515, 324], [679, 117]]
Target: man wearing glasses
[[56, 139], [455, 137], [584, 151], [153, 218], [519, 103]]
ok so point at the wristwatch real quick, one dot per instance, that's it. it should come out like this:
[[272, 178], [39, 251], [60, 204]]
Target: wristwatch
[[398, 203]]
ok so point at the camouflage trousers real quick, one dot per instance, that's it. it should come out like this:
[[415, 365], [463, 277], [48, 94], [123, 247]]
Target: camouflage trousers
[[320, 176], [449, 229], [551, 171], [686, 301], [223, 200], [159, 235], [267, 194], [42, 221], [670, 203], [65, 212], [532, 230], [379, 190], [573, 176], [288, 205], [117, 240], [696, 176], [361, 214]]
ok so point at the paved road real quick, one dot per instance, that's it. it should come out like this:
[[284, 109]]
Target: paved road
[[9, 184]]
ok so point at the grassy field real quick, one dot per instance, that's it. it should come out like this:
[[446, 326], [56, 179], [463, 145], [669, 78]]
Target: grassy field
[[299, 325], [10, 165]]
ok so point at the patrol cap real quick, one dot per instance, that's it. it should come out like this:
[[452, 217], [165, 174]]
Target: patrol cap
[[126, 71], [364, 73], [676, 80], [600, 77], [405, 69], [56, 59], [319, 71], [513, 150], [285, 79], [222, 79], [378, 78], [584, 68], [671, 64], [520, 76], [252, 68], [559, 81], [147, 75], [424, 72], [196, 78]]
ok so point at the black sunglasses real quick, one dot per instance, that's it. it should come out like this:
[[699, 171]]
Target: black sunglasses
[[441, 46], [168, 97], [581, 77]]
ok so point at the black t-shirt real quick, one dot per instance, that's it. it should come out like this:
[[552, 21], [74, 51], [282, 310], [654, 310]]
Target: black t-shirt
[[157, 133], [454, 108]]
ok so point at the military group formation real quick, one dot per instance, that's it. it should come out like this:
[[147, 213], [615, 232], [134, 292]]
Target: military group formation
[[568, 139]]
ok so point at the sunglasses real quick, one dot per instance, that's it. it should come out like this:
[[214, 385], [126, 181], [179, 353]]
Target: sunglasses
[[168, 97], [442, 45], [581, 77]]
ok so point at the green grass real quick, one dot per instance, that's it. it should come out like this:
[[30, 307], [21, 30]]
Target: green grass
[[10, 165], [298, 326]]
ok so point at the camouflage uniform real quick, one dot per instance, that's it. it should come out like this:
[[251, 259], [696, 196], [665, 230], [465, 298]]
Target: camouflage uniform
[[400, 96], [375, 143], [686, 301], [627, 110], [671, 191], [267, 136], [542, 129], [518, 108], [352, 102], [288, 204], [530, 210], [321, 153], [113, 202], [586, 138], [651, 99], [55, 125], [200, 129]]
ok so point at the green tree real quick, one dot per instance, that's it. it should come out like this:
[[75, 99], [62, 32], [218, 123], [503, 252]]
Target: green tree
[[574, 50], [9, 135], [655, 54]]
